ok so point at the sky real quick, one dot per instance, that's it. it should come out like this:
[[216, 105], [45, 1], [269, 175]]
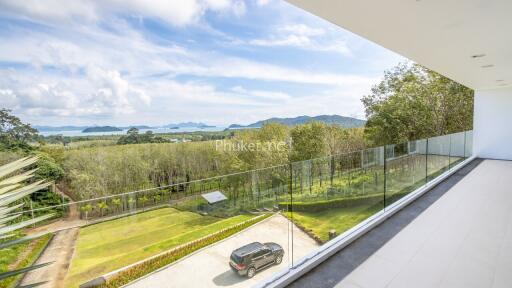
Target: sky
[[137, 62]]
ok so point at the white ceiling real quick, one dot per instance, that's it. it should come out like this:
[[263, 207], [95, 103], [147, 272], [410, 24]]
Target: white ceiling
[[441, 35]]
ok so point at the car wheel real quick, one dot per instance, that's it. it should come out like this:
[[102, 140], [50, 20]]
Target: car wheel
[[251, 272], [279, 259]]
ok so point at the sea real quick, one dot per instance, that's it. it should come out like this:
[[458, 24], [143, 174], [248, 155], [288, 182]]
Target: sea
[[158, 130]]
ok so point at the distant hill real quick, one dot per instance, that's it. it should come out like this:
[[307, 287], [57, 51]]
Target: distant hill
[[346, 122], [188, 125], [101, 129]]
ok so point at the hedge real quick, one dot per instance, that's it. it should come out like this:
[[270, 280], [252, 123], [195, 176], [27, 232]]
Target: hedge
[[317, 206], [137, 271]]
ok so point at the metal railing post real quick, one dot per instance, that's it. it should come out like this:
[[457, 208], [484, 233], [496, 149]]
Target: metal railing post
[[426, 162], [385, 176]]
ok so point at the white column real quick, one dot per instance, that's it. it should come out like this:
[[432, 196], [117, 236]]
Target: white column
[[492, 124]]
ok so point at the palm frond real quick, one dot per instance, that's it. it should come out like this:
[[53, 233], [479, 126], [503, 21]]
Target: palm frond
[[33, 285], [20, 240], [22, 192], [16, 165], [23, 224], [22, 270], [18, 178], [8, 188], [7, 219], [7, 210]]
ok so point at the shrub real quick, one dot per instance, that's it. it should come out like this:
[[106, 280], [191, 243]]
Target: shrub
[[329, 204], [317, 206]]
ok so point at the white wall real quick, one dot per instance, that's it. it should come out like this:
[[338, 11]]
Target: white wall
[[492, 124]]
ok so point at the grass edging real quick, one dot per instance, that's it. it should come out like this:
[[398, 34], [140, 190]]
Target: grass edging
[[33, 256], [309, 232], [135, 271]]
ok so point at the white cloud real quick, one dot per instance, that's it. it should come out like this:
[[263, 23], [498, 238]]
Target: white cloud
[[112, 91], [302, 29], [101, 92], [304, 37], [174, 12], [262, 2], [106, 69]]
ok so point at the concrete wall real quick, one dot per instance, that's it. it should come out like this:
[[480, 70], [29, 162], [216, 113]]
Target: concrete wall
[[492, 124]]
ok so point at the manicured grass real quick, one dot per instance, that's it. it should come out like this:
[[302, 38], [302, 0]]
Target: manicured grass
[[108, 246], [340, 220], [402, 178]]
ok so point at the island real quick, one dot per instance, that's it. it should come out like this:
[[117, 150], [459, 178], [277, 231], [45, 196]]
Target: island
[[101, 129]]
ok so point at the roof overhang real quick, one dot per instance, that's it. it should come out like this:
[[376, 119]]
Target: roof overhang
[[469, 41]]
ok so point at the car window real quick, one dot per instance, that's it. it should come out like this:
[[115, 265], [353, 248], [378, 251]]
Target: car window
[[236, 258], [261, 252]]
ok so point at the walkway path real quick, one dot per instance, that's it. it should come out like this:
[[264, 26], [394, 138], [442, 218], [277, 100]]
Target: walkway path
[[60, 251]]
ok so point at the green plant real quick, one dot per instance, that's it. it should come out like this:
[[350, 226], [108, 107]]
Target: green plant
[[116, 202], [143, 201], [157, 198], [86, 209], [102, 206]]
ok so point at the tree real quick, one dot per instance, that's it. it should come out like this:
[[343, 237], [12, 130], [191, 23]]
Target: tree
[[47, 168], [13, 132], [413, 102], [143, 201], [156, 198], [133, 137], [261, 147], [86, 209], [117, 203], [102, 206], [308, 141]]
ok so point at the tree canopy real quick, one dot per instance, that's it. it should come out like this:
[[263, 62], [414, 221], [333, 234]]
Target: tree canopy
[[13, 132], [134, 137], [413, 102]]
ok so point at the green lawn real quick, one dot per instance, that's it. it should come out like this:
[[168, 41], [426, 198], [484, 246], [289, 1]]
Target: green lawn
[[404, 176], [107, 246], [339, 219]]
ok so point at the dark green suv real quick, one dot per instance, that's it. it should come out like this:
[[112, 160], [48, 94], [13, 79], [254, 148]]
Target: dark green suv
[[253, 257]]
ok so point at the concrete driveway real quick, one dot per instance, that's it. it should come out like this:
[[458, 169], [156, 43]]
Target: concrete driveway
[[209, 267]]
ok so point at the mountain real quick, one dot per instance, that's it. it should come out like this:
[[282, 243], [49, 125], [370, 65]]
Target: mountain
[[188, 125], [101, 129], [346, 122]]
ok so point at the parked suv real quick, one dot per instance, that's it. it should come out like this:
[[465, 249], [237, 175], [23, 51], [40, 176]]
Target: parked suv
[[253, 257]]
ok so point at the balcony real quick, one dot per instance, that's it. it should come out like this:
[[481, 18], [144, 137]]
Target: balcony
[[311, 208], [456, 235]]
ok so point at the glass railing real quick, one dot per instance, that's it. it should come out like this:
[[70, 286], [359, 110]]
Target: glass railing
[[301, 206]]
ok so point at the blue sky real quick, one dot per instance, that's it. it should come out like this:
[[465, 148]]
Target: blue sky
[[130, 62]]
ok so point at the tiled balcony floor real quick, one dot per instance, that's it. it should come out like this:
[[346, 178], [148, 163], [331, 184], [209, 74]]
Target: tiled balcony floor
[[459, 234]]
